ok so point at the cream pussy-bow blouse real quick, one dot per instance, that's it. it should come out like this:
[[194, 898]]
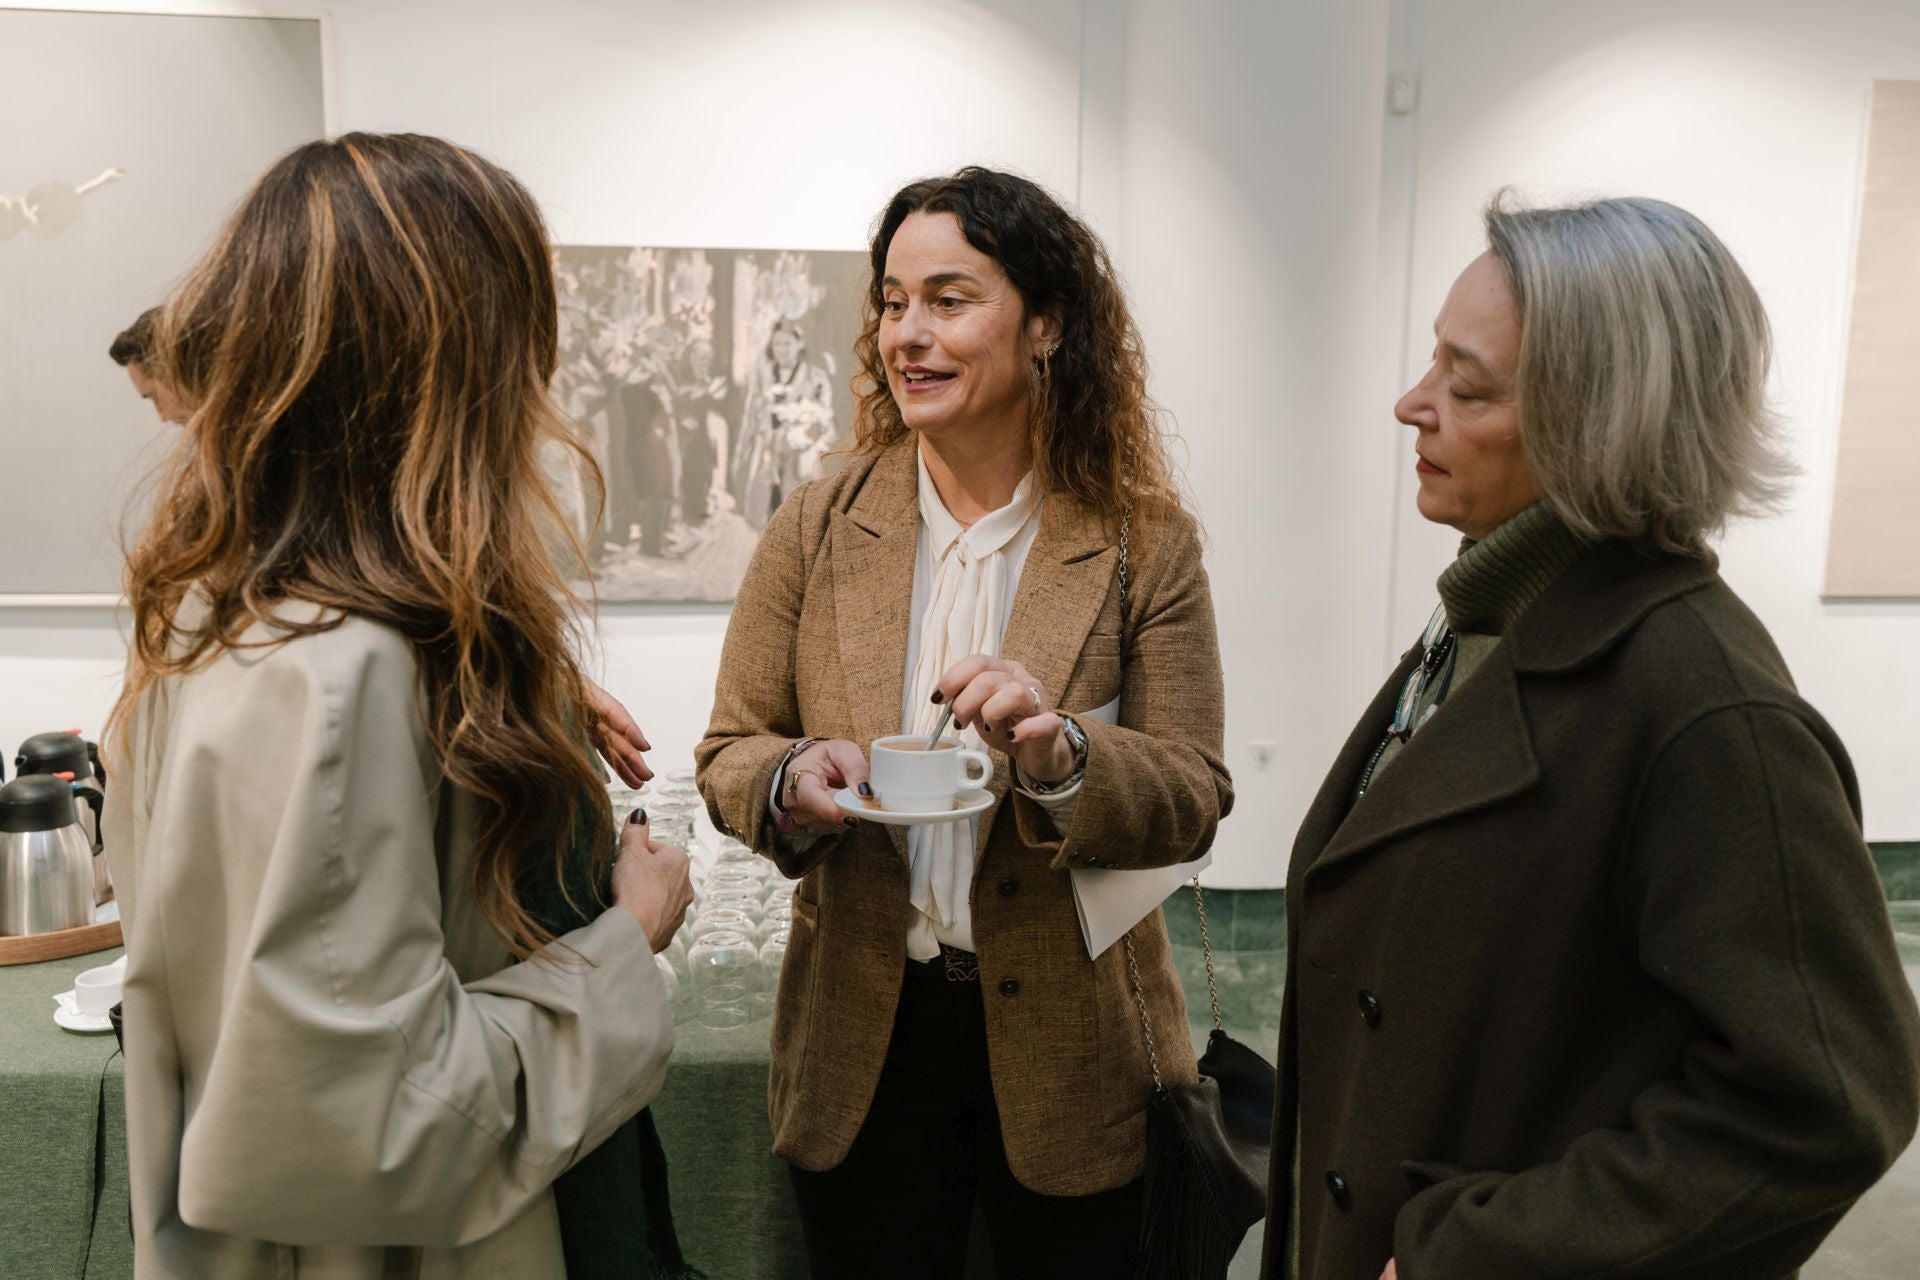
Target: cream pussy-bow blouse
[[964, 581]]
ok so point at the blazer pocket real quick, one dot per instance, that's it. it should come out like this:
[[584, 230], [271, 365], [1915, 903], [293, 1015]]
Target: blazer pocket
[[1105, 644]]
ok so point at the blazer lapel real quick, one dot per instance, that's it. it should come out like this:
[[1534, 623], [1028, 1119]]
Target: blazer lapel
[[1476, 752], [874, 544], [1063, 586]]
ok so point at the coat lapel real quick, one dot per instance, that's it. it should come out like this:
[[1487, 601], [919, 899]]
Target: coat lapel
[[1063, 586], [1335, 798], [874, 543], [1476, 752]]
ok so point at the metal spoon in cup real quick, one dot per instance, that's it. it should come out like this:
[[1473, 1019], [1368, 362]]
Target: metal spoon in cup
[[946, 714]]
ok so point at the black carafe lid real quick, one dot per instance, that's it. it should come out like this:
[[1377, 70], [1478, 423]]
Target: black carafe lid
[[36, 803], [54, 753]]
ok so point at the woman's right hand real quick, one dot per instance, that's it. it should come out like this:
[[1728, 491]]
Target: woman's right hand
[[811, 779], [652, 881]]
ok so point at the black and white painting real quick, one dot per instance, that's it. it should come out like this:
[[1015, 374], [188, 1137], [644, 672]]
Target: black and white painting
[[711, 383]]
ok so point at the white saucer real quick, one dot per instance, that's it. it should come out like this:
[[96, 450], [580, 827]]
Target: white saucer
[[965, 805], [68, 1015]]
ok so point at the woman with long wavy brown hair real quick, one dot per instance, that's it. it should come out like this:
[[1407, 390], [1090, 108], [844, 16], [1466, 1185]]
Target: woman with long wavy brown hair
[[376, 1000], [1005, 540]]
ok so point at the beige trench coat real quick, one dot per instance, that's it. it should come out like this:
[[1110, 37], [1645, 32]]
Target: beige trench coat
[[332, 1069], [817, 645]]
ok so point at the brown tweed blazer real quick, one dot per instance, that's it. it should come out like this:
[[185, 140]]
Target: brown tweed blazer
[[817, 645]]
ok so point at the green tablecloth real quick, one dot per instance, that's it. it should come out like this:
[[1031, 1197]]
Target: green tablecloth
[[63, 1156], [63, 1136]]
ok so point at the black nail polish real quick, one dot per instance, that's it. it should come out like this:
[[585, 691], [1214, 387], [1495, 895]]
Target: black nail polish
[[938, 697], [851, 823], [638, 817], [866, 791]]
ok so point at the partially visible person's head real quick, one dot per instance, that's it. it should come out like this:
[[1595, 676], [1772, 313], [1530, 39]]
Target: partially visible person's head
[[1641, 372], [129, 350], [989, 301], [786, 343], [130, 345], [368, 346]]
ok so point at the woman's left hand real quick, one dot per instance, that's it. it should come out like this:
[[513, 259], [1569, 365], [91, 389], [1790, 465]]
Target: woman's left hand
[[618, 738], [1007, 707]]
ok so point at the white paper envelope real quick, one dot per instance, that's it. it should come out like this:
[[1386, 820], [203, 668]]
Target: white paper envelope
[[1110, 902]]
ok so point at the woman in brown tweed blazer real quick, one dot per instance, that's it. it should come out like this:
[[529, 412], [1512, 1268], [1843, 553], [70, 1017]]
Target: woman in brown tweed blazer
[[941, 1034]]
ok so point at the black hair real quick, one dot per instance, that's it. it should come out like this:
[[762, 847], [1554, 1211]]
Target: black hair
[[131, 343]]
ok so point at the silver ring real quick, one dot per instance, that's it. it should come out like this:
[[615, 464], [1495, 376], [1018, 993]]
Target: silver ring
[[1037, 702]]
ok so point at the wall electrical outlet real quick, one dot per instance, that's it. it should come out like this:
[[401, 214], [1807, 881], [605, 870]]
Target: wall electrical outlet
[[1403, 92], [1262, 749]]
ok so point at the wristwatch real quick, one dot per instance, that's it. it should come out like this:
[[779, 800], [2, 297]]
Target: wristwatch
[[1077, 739], [780, 774]]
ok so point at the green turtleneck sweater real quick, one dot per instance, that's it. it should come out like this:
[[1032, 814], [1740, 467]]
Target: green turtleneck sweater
[[1484, 591]]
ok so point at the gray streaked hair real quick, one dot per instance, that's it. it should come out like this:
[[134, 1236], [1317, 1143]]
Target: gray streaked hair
[[1642, 379]]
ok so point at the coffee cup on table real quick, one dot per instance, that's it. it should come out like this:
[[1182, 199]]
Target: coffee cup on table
[[97, 990], [907, 777]]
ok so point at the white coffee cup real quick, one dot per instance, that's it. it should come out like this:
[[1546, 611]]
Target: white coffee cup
[[908, 778], [97, 990]]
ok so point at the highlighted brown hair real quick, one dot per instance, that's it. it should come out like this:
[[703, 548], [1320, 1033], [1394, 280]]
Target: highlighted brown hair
[[367, 347], [1095, 434]]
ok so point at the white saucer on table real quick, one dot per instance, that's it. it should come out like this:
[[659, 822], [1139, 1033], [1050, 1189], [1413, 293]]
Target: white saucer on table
[[66, 1005], [67, 1015], [965, 805]]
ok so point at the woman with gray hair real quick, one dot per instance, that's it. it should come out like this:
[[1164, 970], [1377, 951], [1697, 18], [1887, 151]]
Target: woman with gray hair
[[1589, 973]]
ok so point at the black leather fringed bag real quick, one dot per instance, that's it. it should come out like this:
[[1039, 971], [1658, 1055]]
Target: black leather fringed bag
[[1207, 1142], [1207, 1147]]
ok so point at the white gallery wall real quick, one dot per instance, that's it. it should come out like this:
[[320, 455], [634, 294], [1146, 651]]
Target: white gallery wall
[[1250, 237], [1285, 240], [1752, 114]]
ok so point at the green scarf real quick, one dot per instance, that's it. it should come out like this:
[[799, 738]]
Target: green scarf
[[599, 1197]]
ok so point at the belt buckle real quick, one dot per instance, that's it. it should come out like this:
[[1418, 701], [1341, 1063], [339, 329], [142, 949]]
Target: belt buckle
[[962, 966]]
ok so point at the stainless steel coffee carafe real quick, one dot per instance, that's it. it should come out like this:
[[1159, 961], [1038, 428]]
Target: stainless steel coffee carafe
[[46, 863], [70, 755]]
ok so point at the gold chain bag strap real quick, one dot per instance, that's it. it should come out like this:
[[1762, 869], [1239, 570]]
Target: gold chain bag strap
[[1207, 1142]]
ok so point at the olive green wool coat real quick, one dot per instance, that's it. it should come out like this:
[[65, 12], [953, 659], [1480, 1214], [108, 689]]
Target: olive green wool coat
[[1597, 980]]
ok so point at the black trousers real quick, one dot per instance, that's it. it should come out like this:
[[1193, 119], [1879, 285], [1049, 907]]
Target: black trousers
[[901, 1204]]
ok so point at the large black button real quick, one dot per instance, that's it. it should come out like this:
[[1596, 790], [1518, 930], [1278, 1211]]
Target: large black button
[[1009, 887], [1009, 986], [1337, 1188], [1370, 1008]]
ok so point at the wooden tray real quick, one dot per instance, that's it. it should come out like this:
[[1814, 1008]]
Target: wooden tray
[[37, 948]]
